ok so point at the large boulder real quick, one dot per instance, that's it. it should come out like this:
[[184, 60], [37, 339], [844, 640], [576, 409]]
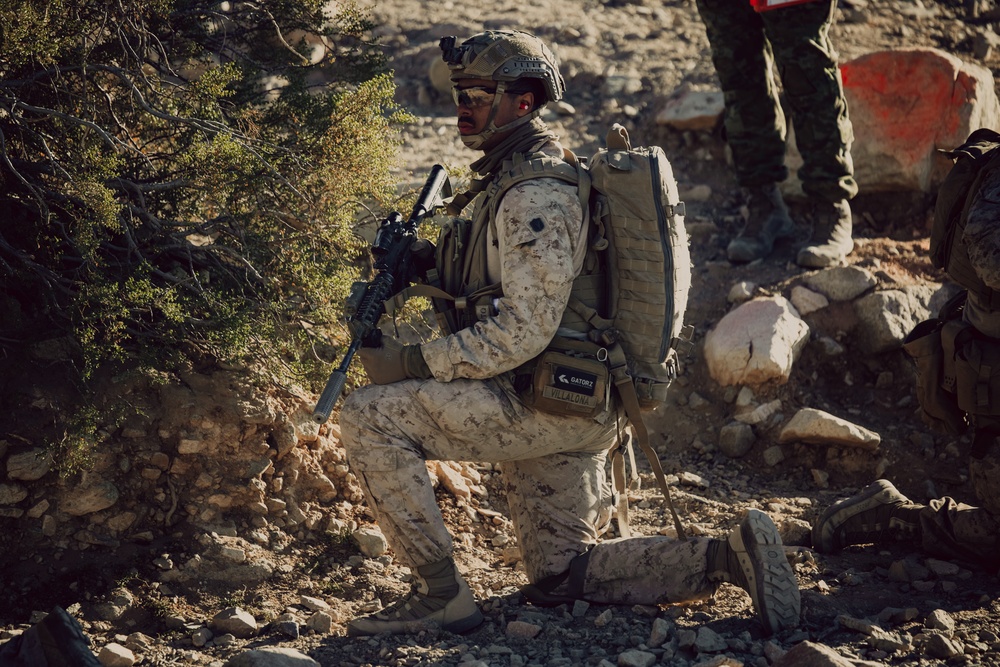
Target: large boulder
[[756, 343]]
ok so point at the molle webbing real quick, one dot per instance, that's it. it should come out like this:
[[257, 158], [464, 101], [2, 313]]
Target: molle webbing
[[648, 254], [590, 286]]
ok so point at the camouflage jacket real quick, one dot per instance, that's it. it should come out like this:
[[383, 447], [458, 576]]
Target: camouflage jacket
[[532, 250]]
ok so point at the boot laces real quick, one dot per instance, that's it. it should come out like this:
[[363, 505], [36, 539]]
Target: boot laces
[[414, 606], [871, 524]]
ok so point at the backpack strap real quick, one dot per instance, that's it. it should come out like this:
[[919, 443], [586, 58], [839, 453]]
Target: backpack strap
[[630, 401], [523, 169]]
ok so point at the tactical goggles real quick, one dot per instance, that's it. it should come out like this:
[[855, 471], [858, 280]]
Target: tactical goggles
[[473, 97]]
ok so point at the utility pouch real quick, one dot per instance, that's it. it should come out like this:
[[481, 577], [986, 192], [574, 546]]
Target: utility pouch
[[563, 384], [977, 372], [939, 407]]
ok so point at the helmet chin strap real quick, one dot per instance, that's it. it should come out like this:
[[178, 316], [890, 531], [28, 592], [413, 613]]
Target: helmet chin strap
[[476, 141]]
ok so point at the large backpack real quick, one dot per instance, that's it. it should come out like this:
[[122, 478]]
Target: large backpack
[[649, 265], [649, 268]]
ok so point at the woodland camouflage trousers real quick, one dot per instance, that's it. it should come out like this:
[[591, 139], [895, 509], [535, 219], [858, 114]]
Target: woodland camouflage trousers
[[745, 47], [553, 468]]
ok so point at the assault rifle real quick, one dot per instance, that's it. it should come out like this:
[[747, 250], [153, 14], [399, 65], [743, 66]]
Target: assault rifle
[[366, 302]]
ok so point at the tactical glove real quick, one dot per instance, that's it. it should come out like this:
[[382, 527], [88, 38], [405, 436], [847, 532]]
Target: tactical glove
[[392, 362], [423, 259]]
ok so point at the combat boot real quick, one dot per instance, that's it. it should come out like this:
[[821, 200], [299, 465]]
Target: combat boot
[[439, 596], [767, 221], [753, 558], [831, 237], [877, 513]]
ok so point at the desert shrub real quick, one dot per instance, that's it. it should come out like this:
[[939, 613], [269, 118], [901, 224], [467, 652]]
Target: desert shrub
[[179, 181]]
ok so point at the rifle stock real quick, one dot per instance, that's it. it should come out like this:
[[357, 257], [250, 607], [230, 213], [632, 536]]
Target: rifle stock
[[392, 251]]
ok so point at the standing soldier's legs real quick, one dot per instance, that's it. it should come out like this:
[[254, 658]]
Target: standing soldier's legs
[[807, 64], [754, 122]]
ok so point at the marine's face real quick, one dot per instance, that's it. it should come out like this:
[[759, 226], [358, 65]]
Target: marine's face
[[474, 100]]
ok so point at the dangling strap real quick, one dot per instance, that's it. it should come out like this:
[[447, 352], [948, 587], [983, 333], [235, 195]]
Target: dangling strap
[[621, 487], [630, 401]]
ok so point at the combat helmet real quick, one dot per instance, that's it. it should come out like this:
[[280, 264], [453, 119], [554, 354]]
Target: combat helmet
[[504, 56]]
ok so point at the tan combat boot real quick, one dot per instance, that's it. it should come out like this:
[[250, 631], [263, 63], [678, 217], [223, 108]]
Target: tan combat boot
[[831, 238], [439, 597], [877, 513], [767, 221], [753, 558]]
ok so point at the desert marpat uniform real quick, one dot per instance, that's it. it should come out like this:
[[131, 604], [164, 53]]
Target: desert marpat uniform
[[552, 465], [744, 46], [511, 271]]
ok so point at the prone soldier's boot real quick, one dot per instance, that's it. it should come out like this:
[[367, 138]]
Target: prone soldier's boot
[[877, 513], [831, 237], [753, 558], [767, 221], [439, 596]]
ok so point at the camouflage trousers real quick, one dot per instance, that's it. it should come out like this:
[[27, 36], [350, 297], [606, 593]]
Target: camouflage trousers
[[745, 48], [553, 469], [951, 529]]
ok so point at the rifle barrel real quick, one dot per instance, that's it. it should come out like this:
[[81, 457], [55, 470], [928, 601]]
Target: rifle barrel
[[334, 386]]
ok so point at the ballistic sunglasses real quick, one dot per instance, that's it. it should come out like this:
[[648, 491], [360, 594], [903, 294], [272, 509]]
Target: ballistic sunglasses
[[474, 97]]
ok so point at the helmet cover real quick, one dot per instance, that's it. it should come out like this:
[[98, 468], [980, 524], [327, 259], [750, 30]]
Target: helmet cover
[[504, 55]]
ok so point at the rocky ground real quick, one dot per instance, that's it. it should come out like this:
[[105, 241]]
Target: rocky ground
[[224, 523]]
